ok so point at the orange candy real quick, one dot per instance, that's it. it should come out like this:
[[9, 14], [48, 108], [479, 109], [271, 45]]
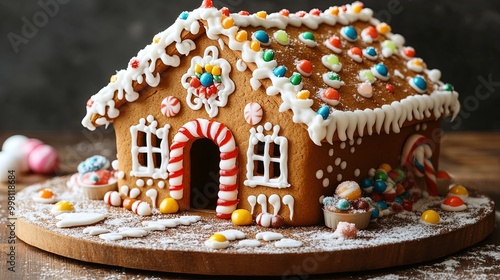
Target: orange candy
[[453, 201], [45, 193]]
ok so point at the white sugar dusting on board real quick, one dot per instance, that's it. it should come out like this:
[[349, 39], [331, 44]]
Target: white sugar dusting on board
[[405, 226]]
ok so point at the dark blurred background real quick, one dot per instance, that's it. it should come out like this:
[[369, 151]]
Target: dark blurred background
[[55, 54]]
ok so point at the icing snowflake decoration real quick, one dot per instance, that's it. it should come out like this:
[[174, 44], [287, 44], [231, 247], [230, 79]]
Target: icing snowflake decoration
[[207, 82]]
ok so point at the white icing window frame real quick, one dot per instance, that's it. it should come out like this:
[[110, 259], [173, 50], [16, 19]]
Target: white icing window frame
[[256, 136], [138, 170]]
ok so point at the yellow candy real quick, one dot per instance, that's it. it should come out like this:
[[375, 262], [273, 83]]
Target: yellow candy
[[218, 237], [430, 216], [357, 8], [385, 166], [241, 217], [208, 68], [198, 69], [261, 14], [458, 190], [303, 94], [64, 206], [216, 70], [255, 45], [113, 79], [418, 62], [228, 22], [383, 28], [335, 11], [169, 206], [156, 40], [241, 36]]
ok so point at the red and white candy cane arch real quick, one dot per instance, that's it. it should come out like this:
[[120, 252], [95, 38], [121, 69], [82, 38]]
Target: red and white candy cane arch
[[224, 139], [416, 155]]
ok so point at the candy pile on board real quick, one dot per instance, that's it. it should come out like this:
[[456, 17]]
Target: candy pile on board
[[23, 154]]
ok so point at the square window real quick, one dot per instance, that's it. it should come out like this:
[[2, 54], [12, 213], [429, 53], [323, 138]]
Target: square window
[[259, 148], [258, 168]]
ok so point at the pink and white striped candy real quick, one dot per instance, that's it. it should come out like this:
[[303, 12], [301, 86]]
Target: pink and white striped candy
[[113, 198], [253, 113], [170, 106]]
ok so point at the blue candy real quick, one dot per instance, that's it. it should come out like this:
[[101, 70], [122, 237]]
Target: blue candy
[[375, 213], [343, 204], [350, 32], [420, 83], [382, 205], [379, 186], [184, 15], [366, 183], [371, 51], [398, 200], [261, 36], [279, 71], [382, 69], [93, 163], [324, 112], [206, 79]]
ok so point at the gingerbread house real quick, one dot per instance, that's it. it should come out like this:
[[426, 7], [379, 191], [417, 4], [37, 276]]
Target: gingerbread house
[[267, 112]]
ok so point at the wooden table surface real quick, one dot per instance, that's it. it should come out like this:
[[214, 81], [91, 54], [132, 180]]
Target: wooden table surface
[[473, 159]]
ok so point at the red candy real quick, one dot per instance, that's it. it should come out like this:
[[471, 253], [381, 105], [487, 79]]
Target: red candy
[[301, 13], [207, 4], [335, 41], [453, 201], [315, 12], [195, 82], [305, 66], [356, 51], [372, 31], [397, 207], [409, 52], [375, 197], [90, 102], [407, 206], [331, 93], [244, 13], [443, 175], [389, 88], [285, 12], [134, 63], [225, 11]]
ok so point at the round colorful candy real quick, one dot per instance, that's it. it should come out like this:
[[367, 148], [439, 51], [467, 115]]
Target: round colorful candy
[[374, 214], [217, 241], [343, 204], [253, 113], [369, 34], [14, 143], [458, 190], [331, 96], [419, 84], [62, 207], [241, 217], [184, 15], [379, 186], [324, 112], [279, 71], [430, 217], [349, 33], [365, 89], [169, 206], [348, 190], [308, 39], [268, 55], [305, 67], [45, 196], [262, 37], [170, 106], [453, 203], [380, 176], [296, 79], [334, 44], [206, 79], [43, 159], [282, 37]]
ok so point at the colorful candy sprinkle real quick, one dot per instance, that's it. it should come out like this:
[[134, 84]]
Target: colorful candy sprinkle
[[381, 72], [409, 52], [303, 94], [301, 14], [453, 203], [285, 13], [389, 88], [261, 14], [243, 13], [383, 28], [315, 12], [225, 11], [268, 55], [357, 7], [335, 11], [255, 45], [356, 54], [228, 22], [262, 37], [343, 204], [296, 79], [134, 63], [241, 36], [332, 79], [366, 75], [370, 53], [332, 62], [419, 84], [184, 15], [369, 34], [305, 67], [379, 186], [206, 79], [349, 33], [365, 89], [430, 216], [459, 190], [308, 39], [447, 87], [324, 112], [279, 71], [331, 96], [388, 48], [282, 37]]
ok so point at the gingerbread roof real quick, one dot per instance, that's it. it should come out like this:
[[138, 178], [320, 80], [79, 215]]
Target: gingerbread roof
[[340, 72]]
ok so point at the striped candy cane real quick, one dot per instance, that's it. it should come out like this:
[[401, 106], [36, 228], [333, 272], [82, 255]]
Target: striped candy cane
[[416, 155], [222, 136]]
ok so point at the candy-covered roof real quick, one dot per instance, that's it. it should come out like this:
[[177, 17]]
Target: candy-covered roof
[[340, 71]]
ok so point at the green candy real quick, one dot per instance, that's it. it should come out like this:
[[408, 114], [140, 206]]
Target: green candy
[[367, 75], [268, 55], [296, 79], [332, 59], [308, 36], [447, 87], [333, 76], [217, 79], [390, 45], [281, 36]]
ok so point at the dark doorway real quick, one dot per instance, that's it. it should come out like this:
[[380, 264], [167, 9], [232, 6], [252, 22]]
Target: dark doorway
[[205, 159]]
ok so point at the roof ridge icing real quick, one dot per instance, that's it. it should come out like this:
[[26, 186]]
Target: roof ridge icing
[[443, 101]]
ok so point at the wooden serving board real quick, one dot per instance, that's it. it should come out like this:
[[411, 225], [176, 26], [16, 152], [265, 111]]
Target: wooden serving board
[[191, 256]]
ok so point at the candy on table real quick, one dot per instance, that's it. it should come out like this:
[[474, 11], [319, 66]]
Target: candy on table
[[269, 220], [241, 217], [217, 241], [43, 159], [458, 190], [45, 196], [453, 203], [141, 208], [169, 206], [346, 230], [113, 198], [430, 217], [348, 190], [62, 207]]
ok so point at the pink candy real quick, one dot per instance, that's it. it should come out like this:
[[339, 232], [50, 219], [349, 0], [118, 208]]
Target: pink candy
[[43, 159]]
